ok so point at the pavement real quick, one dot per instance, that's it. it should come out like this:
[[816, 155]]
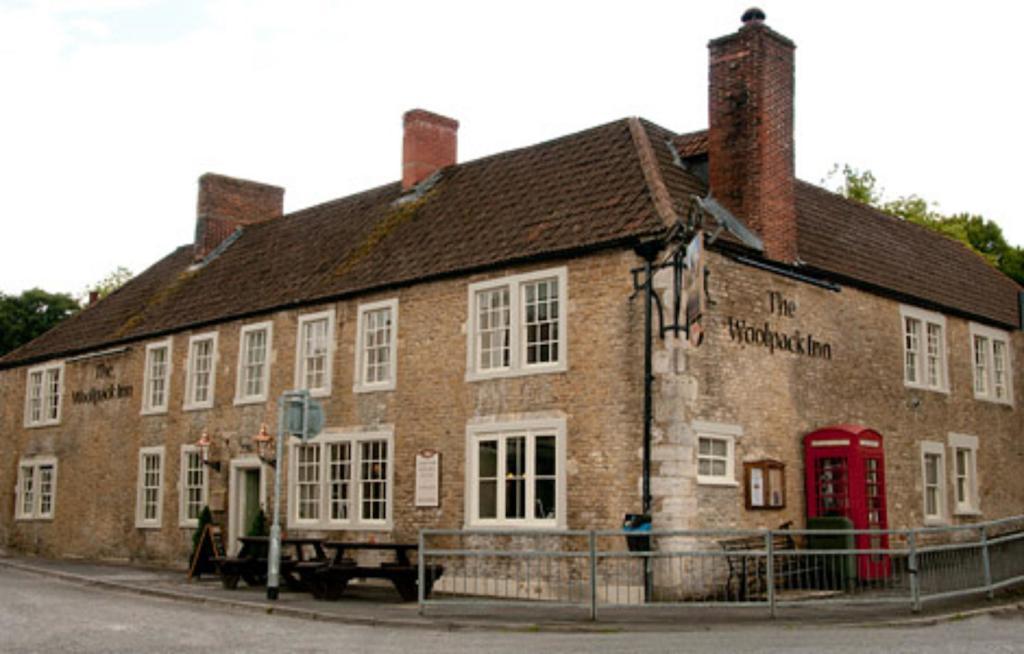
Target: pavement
[[378, 605]]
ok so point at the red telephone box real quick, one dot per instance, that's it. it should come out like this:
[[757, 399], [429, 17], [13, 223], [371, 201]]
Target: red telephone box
[[845, 474]]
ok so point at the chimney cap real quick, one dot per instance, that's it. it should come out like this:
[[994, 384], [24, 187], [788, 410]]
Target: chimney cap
[[752, 15]]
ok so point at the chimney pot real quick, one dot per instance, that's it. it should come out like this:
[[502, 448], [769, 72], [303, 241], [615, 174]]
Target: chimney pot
[[429, 143], [754, 14]]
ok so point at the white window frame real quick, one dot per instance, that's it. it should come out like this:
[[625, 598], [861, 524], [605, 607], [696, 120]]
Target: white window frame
[[300, 360], [972, 504], [939, 450], [517, 327], [34, 464], [140, 520], [531, 429], [361, 385], [240, 379], [722, 432], [355, 437], [148, 408], [924, 318], [191, 404], [183, 487], [992, 335], [44, 372]]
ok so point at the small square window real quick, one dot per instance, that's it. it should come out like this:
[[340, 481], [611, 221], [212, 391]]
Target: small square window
[[716, 453]]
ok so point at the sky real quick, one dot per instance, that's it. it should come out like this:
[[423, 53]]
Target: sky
[[110, 110]]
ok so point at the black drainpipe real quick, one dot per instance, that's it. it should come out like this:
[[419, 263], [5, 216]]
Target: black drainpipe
[[649, 252]]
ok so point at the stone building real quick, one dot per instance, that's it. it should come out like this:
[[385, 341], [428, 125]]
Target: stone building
[[490, 316]]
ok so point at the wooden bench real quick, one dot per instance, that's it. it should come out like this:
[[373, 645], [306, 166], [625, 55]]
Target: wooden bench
[[251, 563], [748, 563]]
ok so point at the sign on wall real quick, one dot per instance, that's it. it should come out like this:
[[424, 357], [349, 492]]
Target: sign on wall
[[428, 478], [777, 338]]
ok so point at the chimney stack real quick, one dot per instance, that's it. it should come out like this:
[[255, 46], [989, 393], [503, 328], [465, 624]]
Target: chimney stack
[[750, 136], [429, 144], [226, 203]]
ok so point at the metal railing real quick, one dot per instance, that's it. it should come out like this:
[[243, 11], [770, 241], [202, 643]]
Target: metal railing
[[594, 569]]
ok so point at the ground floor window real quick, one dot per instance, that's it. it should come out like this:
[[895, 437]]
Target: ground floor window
[[149, 499], [37, 489], [192, 485], [933, 465], [716, 453], [517, 474], [965, 473], [342, 480]]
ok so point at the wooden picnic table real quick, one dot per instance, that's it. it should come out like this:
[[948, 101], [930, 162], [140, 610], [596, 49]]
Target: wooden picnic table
[[251, 563], [328, 579]]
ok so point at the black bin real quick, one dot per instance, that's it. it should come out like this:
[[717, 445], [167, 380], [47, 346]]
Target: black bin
[[637, 527]]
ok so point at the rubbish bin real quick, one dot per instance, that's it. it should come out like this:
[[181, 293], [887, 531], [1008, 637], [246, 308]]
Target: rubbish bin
[[835, 571], [637, 527]]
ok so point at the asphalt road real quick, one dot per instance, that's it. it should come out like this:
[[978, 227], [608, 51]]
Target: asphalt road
[[42, 614]]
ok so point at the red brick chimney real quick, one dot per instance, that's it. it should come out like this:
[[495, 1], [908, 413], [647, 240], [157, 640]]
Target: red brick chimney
[[226, 203], [750, 140], [429, 144]]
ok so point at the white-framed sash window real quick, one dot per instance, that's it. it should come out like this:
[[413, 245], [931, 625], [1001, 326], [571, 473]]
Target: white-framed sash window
[[156, 382], [376, 362], [964, 451], [517, 325], [716, 453], [149, 498], [342, 479], [990, 364], [201, 371], [254, 348], [193, 486], [933, 477], [314, 350]]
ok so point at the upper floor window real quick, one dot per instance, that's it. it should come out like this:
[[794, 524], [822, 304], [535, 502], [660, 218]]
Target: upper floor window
[[254, 362], [43, 395], [313, 353], [517, 474], [517, 325], [156, 385], [201, 371], [924, 349], [377, 346], [37, 489], [341, 480], [990, 359]]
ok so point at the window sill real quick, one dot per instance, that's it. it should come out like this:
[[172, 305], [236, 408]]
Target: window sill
[[967, 513], [244, 401], [147, 526], [153, 412], [197, 407], [475, 376], [319, 392], [373, 388], [922, 387], [188, 525], [32, 518], [992, 400], [39, 425], [936, 522], [721, 483]]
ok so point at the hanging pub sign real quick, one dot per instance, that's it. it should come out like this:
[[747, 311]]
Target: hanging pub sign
[[693, 287]]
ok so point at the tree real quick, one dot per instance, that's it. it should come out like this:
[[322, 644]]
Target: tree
[[115, 280], [983, 236], [26, 316]]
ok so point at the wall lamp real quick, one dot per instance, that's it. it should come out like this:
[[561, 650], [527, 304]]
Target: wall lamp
[[203, 444], [265, 446]]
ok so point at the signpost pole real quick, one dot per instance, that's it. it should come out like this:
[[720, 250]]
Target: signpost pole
[[274, 556]]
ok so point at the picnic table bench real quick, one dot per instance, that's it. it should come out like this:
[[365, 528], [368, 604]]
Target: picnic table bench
[[327, 579], [251, 563], [748, 563]]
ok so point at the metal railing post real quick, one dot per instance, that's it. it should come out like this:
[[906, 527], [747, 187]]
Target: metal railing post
[[986, 563], [593, 575], [915, 582], [769, 546], [422, 570]]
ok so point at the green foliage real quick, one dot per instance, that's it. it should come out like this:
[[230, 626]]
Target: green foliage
[[259, 525], [205, 518], [26, 316], [115, 280], [983, 236]]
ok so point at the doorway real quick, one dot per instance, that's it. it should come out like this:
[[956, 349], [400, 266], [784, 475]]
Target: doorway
[[245, 498]]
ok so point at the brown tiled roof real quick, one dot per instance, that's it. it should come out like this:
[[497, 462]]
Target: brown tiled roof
[[582, 191], [585, 190], [858, 243]]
